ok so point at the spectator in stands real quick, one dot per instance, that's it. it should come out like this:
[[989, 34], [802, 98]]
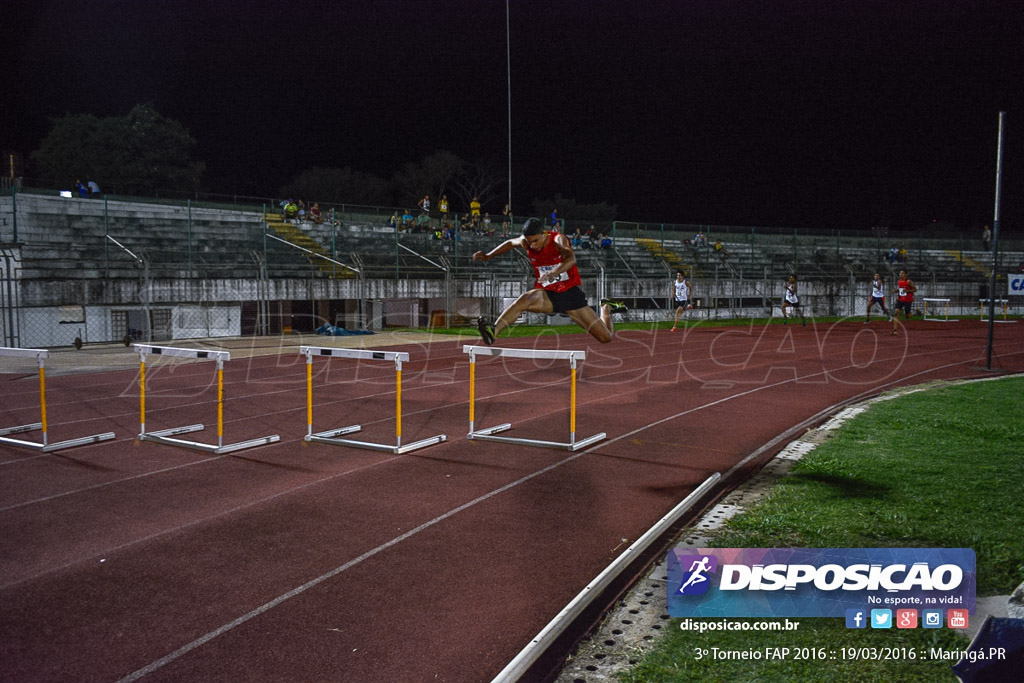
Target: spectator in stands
[[474, 207], [393, 221], [406, 219], [986, 238], [291, 210], [720, 249], [506, 220], [302, 211], [554, 219], [892, 255], [425, 205], [94, 189], [903, 254], [83, 191], [315, 214], [442, 206], [606, 242], [589, 238], [577, 239]]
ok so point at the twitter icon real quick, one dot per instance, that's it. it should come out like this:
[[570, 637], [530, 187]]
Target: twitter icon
[[881, 618]]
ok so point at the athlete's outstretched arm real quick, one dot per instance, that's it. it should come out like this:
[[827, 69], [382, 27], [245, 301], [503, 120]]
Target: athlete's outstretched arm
[[507, 245]]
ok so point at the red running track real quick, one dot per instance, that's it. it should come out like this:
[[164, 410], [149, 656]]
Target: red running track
[[293, 561]]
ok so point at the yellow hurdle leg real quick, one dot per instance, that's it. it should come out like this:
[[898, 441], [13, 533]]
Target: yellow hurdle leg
[[572, 405], [309, 395], [472, 390], [398, 406], [42, 398], [220, 403]]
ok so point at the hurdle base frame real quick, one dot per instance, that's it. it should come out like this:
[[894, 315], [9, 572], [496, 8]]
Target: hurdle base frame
[[47, 447], [40, 355], [164, 436], [572, 445], [330, 435]]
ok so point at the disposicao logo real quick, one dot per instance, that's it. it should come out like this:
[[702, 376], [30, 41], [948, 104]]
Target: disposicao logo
[[696, 580], [823, 582]]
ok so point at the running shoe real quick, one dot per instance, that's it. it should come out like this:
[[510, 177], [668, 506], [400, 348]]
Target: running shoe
[[614, 306], [486, 330]]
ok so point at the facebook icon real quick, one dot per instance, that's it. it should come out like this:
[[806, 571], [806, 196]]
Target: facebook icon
[[856, 618]]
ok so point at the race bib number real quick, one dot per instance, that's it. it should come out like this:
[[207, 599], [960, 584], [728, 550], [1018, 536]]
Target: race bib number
[[544, 270], [902, 292]]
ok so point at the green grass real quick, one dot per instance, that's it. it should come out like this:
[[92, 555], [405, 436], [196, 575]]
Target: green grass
[[540, 330], [940, 468]]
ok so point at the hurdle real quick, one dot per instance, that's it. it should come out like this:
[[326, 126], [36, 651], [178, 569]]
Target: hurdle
[[46, 447], [488, 434], [165, 436], [935, 318], [982, 303], [330, 436]]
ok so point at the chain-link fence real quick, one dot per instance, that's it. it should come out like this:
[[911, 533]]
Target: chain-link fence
[[116, 269]]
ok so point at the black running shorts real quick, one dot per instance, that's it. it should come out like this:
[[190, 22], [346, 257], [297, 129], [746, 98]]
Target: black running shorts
[[569, 300]]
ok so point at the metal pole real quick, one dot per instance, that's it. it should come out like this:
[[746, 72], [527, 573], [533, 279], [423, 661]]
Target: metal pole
[[995, 243], [189, 200], [508, 81]]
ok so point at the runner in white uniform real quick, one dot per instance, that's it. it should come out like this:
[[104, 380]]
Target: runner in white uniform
[[877, 297], [681, 293], [791, 300]]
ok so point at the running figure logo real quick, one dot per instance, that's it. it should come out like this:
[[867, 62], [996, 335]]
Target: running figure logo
[[695, 580]]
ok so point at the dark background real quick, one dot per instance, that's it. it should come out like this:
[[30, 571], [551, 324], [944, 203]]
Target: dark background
[[806, 114]]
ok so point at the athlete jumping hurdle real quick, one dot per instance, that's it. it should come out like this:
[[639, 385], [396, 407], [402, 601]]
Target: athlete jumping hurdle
[[556, 287]]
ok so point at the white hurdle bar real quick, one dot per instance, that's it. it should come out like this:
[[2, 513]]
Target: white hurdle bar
[[330, 436], [165, 436], [41, 355], [488, 433], [935, 318]]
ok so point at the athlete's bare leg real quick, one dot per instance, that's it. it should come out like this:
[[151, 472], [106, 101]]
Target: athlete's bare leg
[[534, 301], [601, 328]]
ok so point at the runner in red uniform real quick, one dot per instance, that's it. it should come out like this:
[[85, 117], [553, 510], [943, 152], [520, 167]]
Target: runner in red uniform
[[904, 292], [556, 286]]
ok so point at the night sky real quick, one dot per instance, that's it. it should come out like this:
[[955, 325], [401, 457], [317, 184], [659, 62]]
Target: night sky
[[824, 113]]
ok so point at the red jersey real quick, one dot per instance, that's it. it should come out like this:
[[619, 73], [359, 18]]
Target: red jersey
[[546, 260], [903, 292]]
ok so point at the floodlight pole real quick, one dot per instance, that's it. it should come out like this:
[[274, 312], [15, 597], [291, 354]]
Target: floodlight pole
[[995, 242], [508, 99]]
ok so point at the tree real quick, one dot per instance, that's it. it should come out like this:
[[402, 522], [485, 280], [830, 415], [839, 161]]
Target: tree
[[337, 185], [483, 181], [140, 153], [433, 175]]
